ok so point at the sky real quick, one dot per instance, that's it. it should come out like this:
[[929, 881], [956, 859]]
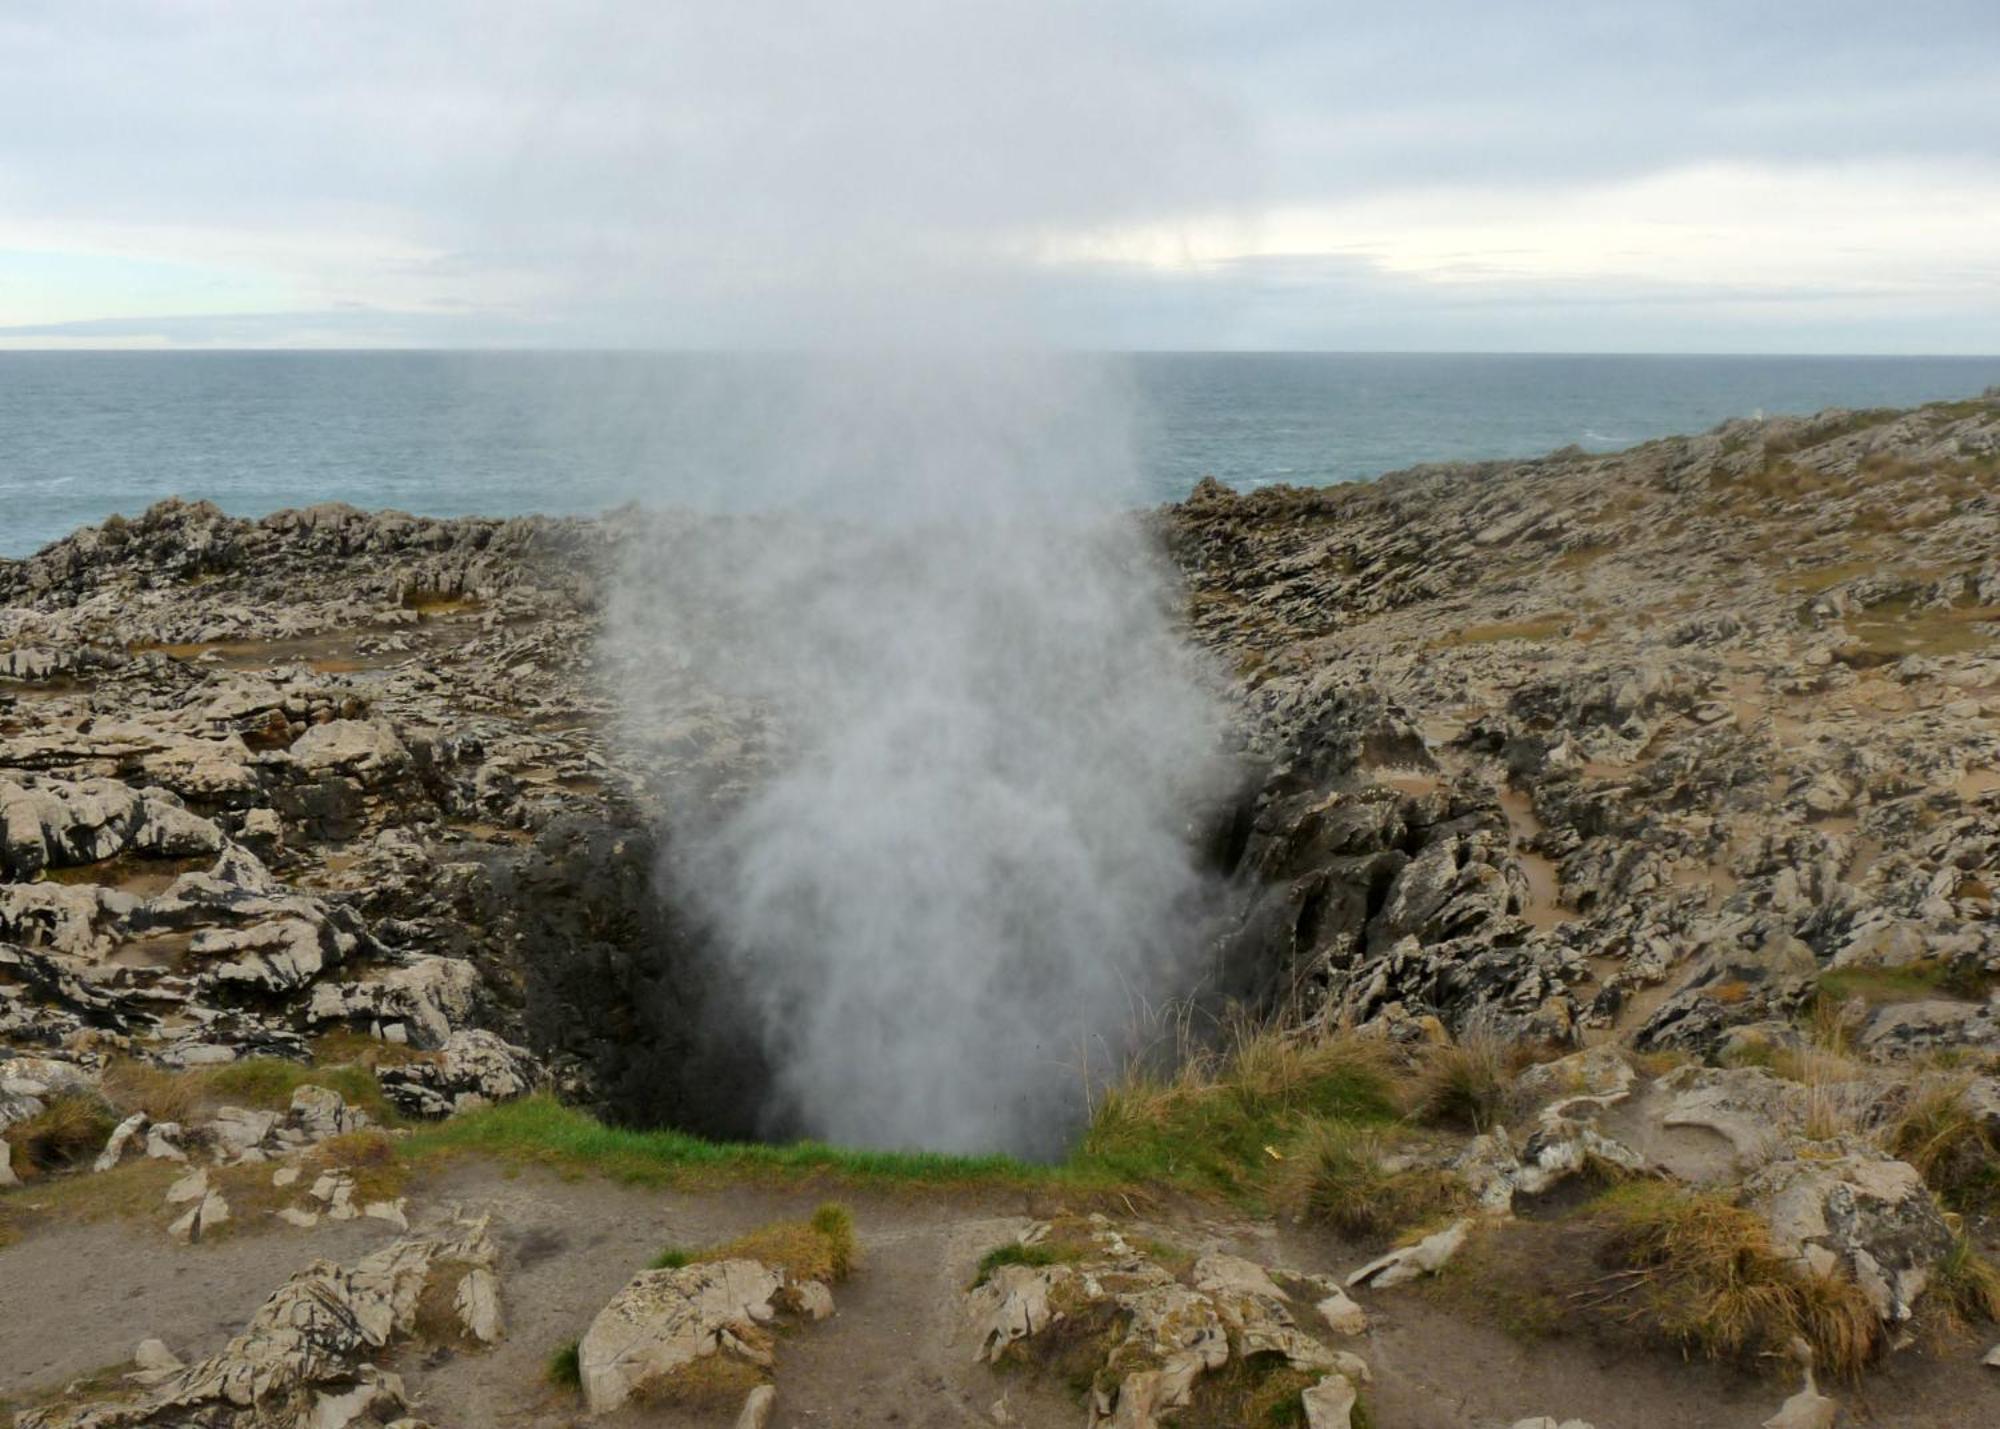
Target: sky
[[1441, 175]]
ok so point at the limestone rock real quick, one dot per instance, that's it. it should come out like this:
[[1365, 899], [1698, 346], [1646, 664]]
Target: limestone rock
[[477, 1305], [319, 1112], [1857, 1214], [664, 1320], [1426, 1257], [122, 1138], [303, 1358], [474, 1068], [1342, 1315], [1330, 1403], [757, 1407]]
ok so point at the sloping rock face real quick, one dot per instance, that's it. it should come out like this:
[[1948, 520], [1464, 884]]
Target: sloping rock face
[[1652, 741], [328, 771]]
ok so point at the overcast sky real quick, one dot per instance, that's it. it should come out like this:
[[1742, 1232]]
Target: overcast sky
[[1778, 176]]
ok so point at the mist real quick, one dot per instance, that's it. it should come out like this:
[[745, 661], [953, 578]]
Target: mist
[[963, 872]]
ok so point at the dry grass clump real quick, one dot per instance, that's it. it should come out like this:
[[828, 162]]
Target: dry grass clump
[[1950, 1147], [1217, 1122], [712, 1385], [161, 1092], [1702, 1271], [437, 1321], [1467, 1084], [1250, 1393], [821, 1248], [1964, 1289], [71, 1128], [368, 1156], [1075, 1344], [1340, 1175]]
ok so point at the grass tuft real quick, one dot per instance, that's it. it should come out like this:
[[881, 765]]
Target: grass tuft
[[1466, 1084], [1709, 1278], [71, 1128], [565, 1367], [1015, 1253], [1965, 1287], [1217, 1124], [1336, 1176], [671, 1258], [1950, 1147], [821, 1248]]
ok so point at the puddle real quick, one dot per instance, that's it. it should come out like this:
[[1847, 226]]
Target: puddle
[[1545, 907], [1414, 782], [1975, 782], [166, 951], [1713, 878], [144, 878]]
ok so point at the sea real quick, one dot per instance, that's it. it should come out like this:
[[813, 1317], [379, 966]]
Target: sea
[[86, 434]]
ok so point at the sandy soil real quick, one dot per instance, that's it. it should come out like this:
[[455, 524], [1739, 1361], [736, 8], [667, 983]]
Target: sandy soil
[[74, 1299]]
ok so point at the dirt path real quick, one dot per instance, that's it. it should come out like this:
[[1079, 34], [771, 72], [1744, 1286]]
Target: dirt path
[[74, 1299]]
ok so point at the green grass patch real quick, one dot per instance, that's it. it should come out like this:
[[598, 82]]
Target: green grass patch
[[269, 1082], [565, 1367], [1222, 1123], [1015, 1253], [1911, 982], [539, 1129], [821, 1248], [671, 1258]]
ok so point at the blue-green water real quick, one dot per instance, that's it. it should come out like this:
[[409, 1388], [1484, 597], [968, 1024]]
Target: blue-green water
[[86, 434]]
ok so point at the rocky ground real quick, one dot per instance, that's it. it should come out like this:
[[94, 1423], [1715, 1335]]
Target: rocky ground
[[1660, 790]]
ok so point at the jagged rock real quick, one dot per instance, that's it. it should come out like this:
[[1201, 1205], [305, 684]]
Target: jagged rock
[[757, 1407], [301, 1361], [1330, 1403], [1164, 1335], [477, 1305], [664, 1320], [163, 1141], [369, 751], [1426, 1257], [241, 1133], [1848, 1210], [1014, 1305], [201, 1218], [420, 1004], [320, 1112], [121, 1139], [475, 1068]]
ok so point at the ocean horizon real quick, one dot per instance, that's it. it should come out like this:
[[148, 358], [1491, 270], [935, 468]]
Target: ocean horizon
[[84, 434]]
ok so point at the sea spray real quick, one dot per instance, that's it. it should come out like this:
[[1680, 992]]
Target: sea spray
[[967, 867]]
